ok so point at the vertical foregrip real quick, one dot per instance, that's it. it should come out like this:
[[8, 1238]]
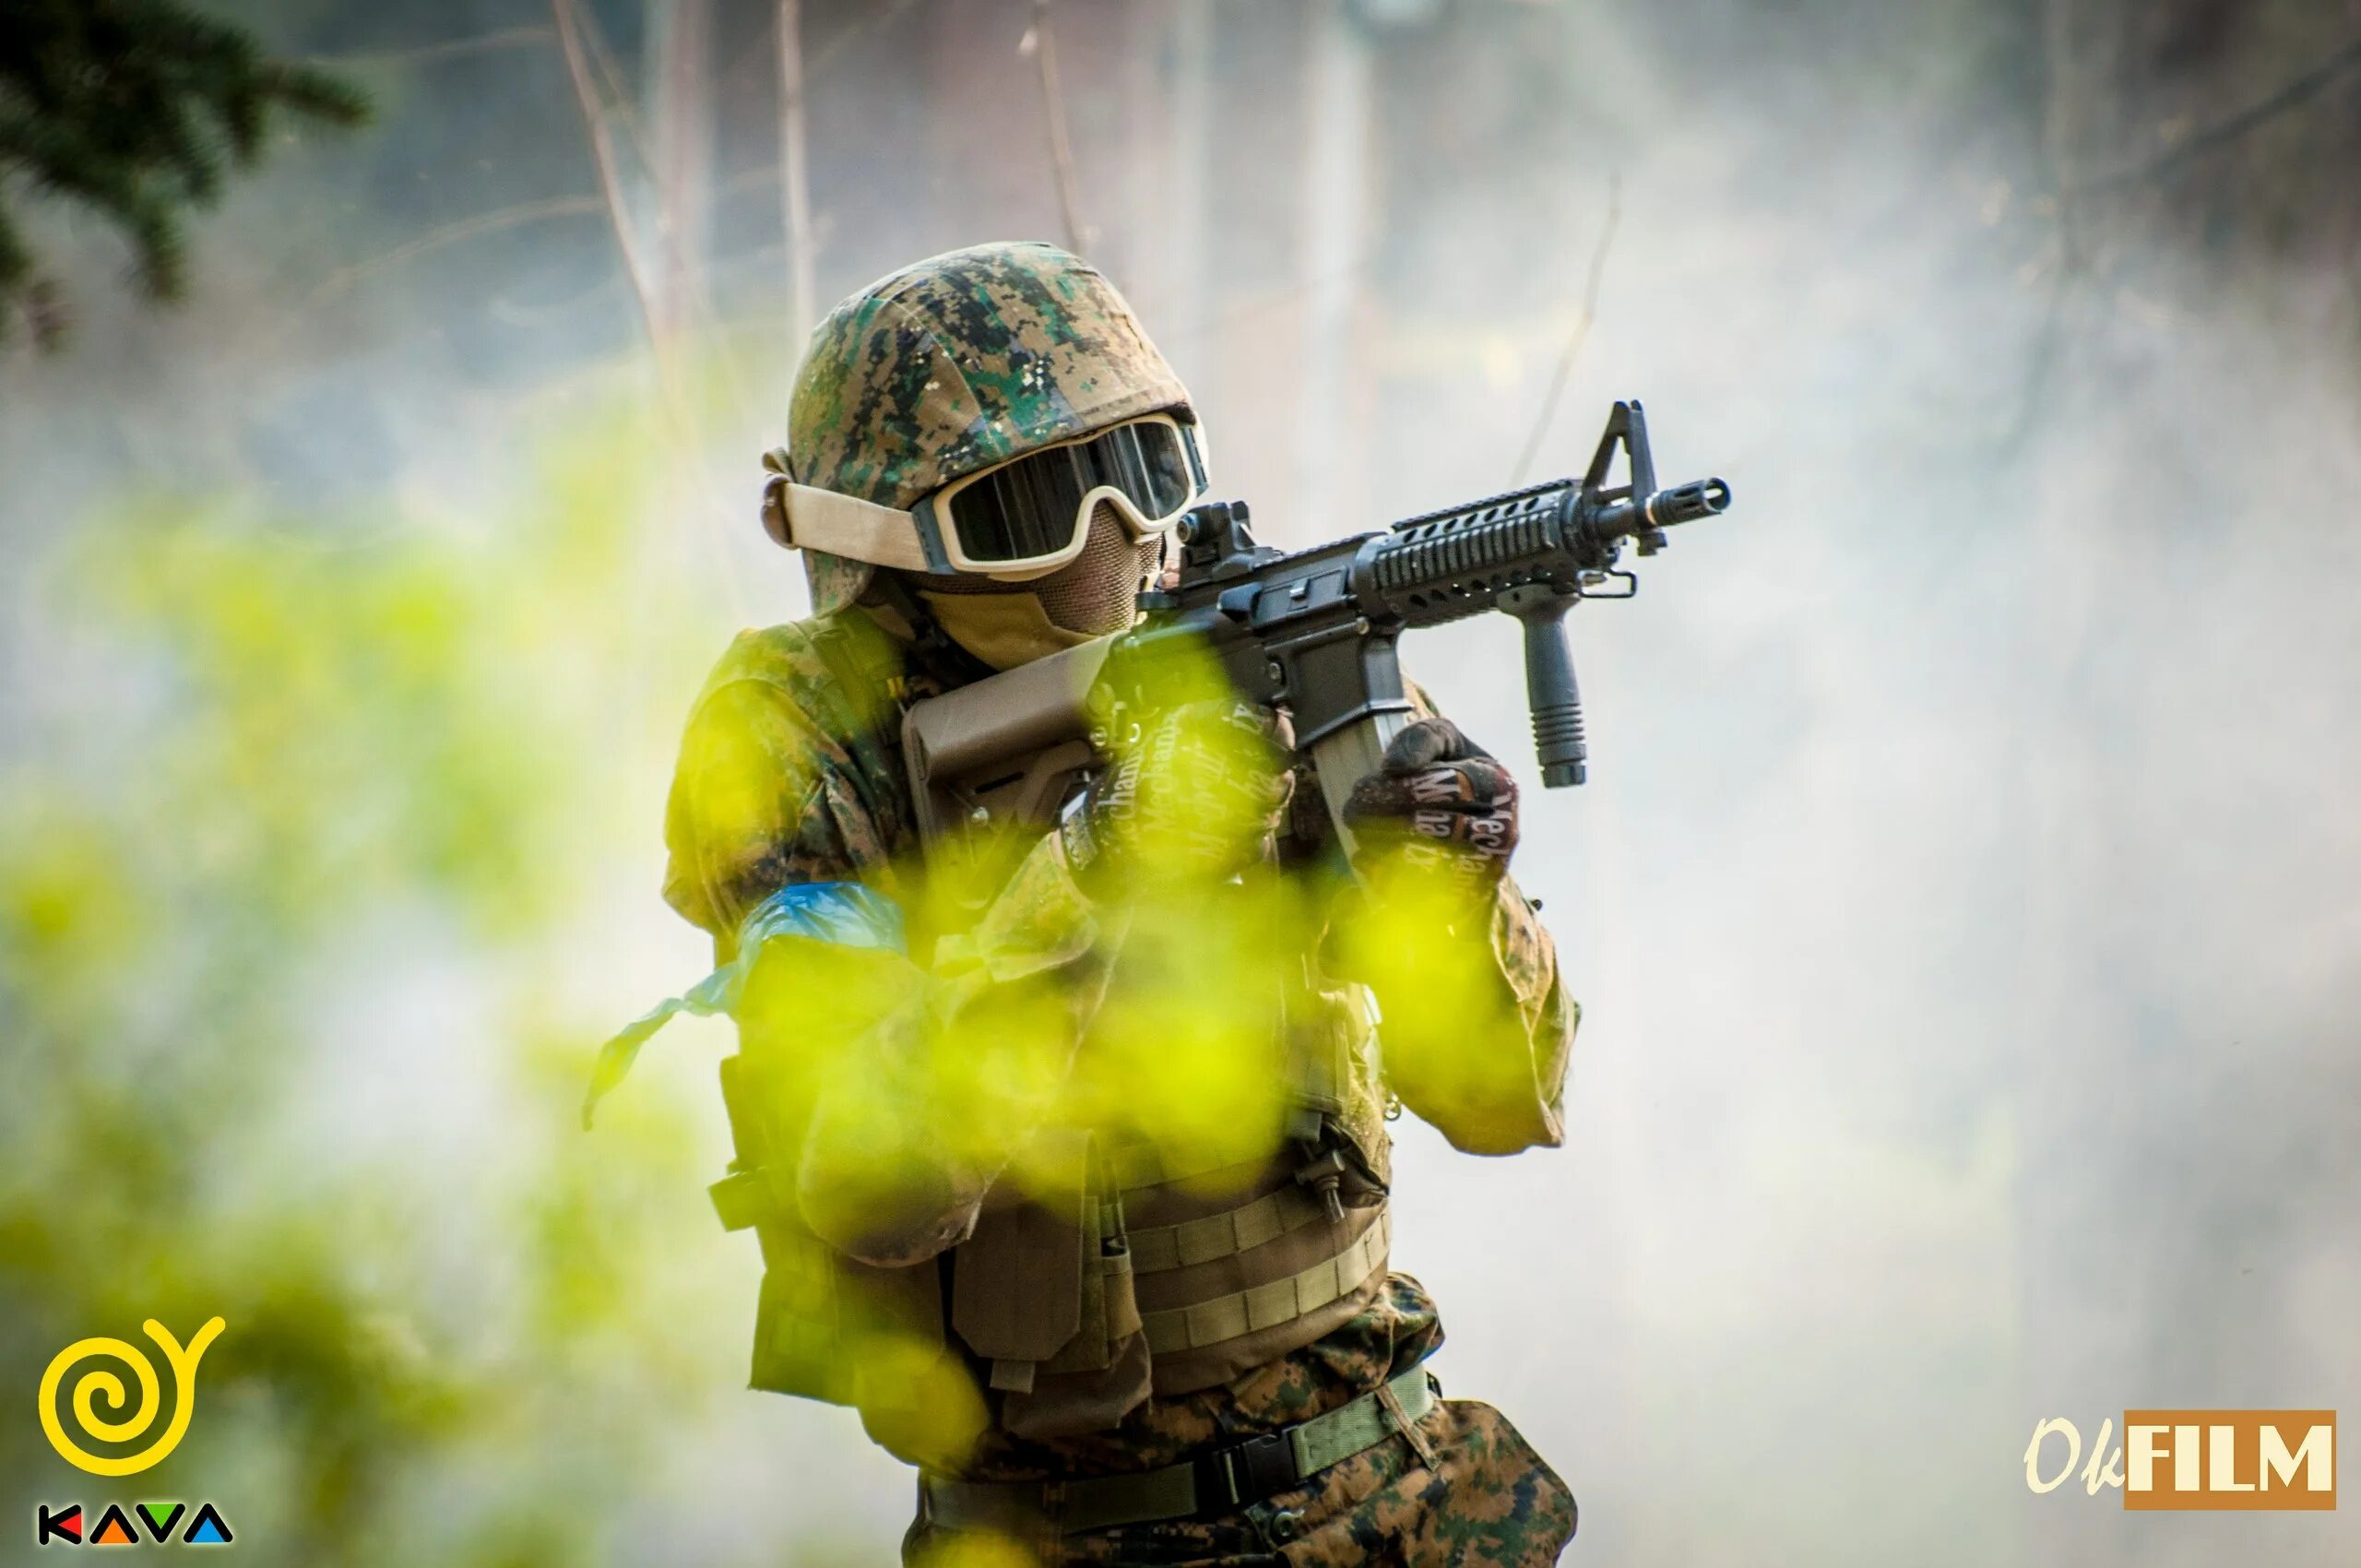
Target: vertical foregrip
[[1551, 692]]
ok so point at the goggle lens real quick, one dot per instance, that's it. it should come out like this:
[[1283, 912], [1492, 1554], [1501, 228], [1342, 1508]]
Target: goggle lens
[[1032, 507]]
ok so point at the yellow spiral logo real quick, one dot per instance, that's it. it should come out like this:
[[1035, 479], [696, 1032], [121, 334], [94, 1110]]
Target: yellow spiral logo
[[101, 1383]]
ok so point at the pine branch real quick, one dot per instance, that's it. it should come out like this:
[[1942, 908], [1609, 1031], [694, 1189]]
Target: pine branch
[[313, 94], [135, 109], [447, 49], [15, 261]]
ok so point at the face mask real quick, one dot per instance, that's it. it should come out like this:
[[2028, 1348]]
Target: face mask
[[1004, 630], [1006, 625]]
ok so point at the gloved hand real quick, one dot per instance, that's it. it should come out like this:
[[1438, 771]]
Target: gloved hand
[[1440, 802], [1197, 798]]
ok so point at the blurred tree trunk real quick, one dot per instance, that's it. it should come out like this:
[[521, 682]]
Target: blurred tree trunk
[[679, 77], [1189, 235], [1261, 125], [2235, 123], [1335, 172], [795, 174]]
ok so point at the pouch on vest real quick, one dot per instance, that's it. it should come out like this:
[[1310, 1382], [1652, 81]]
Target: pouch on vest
[[1041, 1293], [828, 1326], [1335, 1121]]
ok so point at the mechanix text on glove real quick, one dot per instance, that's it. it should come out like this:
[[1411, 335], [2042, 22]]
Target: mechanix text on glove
[[1440, 800]]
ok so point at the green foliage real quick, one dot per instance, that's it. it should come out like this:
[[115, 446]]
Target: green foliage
[[135, 110], [318, 766]]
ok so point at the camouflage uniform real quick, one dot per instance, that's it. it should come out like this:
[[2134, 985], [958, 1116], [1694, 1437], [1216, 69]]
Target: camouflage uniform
[[791, 773]]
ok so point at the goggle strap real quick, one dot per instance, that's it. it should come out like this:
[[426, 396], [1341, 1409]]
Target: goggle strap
[[844, 525], [804, 516], [930, 529]]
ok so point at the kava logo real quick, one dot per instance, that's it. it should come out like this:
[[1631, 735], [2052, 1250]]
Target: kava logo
[[97, 1405]]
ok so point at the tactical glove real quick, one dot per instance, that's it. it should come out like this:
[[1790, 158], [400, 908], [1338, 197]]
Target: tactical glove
[[1438, 801], [1195, 797]]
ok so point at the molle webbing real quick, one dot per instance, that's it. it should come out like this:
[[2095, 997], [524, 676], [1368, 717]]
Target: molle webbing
[[1204, 1324], [1135, 1166], [1221, 1235]]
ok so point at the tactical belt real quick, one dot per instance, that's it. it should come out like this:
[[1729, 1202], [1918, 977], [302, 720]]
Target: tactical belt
[[1212, 1485]]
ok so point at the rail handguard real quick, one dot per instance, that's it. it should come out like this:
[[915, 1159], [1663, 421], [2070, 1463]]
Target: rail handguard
[[1315, 631]]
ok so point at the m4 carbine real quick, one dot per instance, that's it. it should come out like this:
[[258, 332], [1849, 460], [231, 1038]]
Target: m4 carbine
[[1316, 630]]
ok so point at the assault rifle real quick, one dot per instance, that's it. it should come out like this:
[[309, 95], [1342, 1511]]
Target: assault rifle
[[1316, 630]]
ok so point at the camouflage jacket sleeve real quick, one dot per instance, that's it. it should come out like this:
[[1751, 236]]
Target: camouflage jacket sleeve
[[763, 798], [910, 1106], [1478, 1028]]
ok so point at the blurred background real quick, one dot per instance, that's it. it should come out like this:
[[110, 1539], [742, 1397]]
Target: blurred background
[[1963, 903]]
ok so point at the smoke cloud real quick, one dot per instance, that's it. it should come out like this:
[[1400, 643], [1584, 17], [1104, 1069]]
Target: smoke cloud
[[1962, 904]]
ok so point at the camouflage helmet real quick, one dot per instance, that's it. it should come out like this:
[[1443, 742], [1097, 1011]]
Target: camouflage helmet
[[956, 364]]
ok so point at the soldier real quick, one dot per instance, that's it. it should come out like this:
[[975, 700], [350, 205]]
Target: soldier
[[1106, 1324]]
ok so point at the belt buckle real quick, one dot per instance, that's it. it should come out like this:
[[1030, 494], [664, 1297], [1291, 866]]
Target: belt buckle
[[1249, 1471]]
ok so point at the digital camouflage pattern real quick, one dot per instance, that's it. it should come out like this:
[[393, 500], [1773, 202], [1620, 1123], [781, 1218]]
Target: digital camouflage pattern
[[1470, 1491], [790, 771], [963, 360], [959, 362]]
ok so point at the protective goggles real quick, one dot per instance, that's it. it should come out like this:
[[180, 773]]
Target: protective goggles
[[1024, 519]]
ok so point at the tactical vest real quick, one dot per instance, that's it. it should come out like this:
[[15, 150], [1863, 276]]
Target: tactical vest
[[1135, 1277]]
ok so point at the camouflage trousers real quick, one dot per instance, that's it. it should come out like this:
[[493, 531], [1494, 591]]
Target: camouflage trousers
[[1471, 1494]]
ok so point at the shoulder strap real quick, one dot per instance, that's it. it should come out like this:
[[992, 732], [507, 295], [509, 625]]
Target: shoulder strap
[[942, 661]]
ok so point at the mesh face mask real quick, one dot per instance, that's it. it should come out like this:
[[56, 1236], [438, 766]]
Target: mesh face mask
[[1091, 595]]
